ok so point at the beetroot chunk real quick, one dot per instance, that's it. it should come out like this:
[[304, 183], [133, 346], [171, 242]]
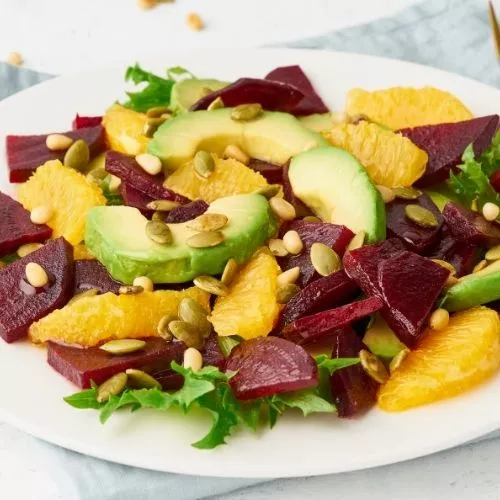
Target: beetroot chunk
[[272, 96], [25, 153], [293, 75], [353, 390], [16, 228], [445, 143], [92, 274], [187, 212], [267, 366], [332, 235], [133, 198], [270, 171], [86, 121], [301, 209], [20, 303], [310, 328]]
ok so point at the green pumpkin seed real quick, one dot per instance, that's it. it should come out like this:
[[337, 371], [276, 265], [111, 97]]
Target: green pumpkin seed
[[151, 126], [325, 260], [203, 164], [286, 292], [211, 285], [192, 312], [91, 292], [373, 366], [311, 218], [159, 232], [246, 112], [162, 205], [206, 239], [204, 91], [159, 216], [421, 216], [114, 386], [397, 360], [77, 156], [97, 176], [407, 193], [187, 333], [157, 111], [229, 272], [130, 290], [357, 241], [208, 222], [217, 103], [123, 346], [268, 191], [446, 265], [137, 379], [162, 327]]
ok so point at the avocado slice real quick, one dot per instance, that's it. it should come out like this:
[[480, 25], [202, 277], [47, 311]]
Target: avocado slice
[[319, 122], [441, 195], [272, 137], [381, 340], [334, 185], [117, 237], [186, 92]]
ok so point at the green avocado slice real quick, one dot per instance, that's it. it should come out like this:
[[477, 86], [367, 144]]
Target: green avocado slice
[[186, 92]]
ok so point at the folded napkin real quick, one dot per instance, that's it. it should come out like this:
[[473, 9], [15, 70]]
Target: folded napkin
[[450, 34]]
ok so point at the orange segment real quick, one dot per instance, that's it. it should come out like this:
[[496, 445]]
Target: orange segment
[[93, 320], [447, 362], [229, 177], [67, 192], [390, 159], [400, 107], [250, 310], [81, 252]]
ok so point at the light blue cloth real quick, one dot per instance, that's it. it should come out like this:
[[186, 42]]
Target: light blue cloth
[[449, 34]]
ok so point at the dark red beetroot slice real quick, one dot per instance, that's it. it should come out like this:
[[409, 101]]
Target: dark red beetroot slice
[[336, 237], [301, 209], [293, 75], [495, 181], [445, 144], [324, 293], [128, 170], [25, 153], [353, 390], [86, 121], [92, 274], [20, 303], [310, 328], [470, 227], [410, 285], [136, 199], [16, 228], [273, 96], [270, 171], [267, 366], [186, 212], [415, 237]]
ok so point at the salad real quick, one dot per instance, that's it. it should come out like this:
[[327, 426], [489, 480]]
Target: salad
[[241, 248]]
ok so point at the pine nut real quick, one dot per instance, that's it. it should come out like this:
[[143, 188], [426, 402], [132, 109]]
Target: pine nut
[[58, 142], [288, 277], [15, 58], [114, 184], [292, 242], [194, 21], [145, 283], [493, 253], [36, 275], [439, 319], [192, 359], [24, 250], [386, 193], [357, 241], [480, 266], [277, 247], [490, 211], [147, 4], [149, 163], [233, 151], [282, 208], [41, 214]]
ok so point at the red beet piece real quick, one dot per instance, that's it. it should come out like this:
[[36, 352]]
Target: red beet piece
[[495, 181], [470, 227], [270, 171], [445, 144], [20, 303], [85, 121], [324, 293], [336, 237], [186, 212], [353, 390], [294, 75], [16, 228], [136, 199], [92, 274], [128, 170], [310, 328], [301, 209], [415, 237], [410, 285], [267, 366], [25, 153], [272, 96]]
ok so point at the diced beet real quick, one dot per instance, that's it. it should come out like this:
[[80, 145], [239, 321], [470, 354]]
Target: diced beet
[[272, 96], [315, 326], [20, 303], [301, 209], [25, 153], [270, 171], [446, 142], [332, 235], [324, 293], [415, 237], [136, 199], [81, 365], [470, 227], [186, 212], [16, 228], [410, 285], [293, 75], [86, 121], [495, 181], [212, 355], [267, 366], [128, 170], [353, 390], [92, 274]]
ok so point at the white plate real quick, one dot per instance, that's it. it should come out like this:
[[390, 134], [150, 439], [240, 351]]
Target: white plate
[[32, 392]]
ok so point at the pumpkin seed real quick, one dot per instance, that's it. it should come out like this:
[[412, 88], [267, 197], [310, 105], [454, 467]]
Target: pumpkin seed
[[187, 333], [373, 366], [130, 290], [205, 239], [397, 360], [286, 292], [162, 327], [311, 218], [325, 260], [407, 193], [162, 205], [96, 176], [114, 386], [123, 346], [493, 253], [77, 156], [159, 216], [446, 265], [151, 126], [268, 191], [157, 111], [211, 285], [421, 216], [204, 91], [230, 271], [480, 266], [246, 112], [357, 241], [277, 247], [208, 222], [203, 164], [192, 312], [217, 103], [386, 193], [236, 153], [91, 292], [159, 232], [137, 379]]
